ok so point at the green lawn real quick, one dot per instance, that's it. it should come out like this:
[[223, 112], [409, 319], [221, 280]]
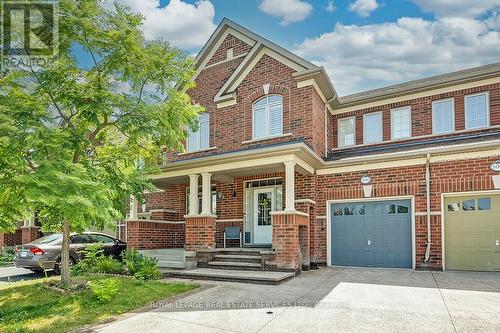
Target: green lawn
[[31, 307]]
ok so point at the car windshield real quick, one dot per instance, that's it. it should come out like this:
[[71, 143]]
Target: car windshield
[[47, 239]]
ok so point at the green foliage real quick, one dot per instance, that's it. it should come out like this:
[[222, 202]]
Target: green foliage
[[141, 266], [104, 289], [94, 261], [28, 306], [109, 265], [92, 254], [7, 255], [70, 135], [133, 260]]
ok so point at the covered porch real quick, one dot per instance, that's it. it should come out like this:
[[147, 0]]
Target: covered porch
[[265, 197]]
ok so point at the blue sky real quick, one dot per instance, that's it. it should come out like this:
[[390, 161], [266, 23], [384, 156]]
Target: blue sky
[[363, 44]]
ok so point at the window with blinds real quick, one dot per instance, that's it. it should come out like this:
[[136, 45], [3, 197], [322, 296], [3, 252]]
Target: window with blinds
[[476, 111], [200, 139], [347, 132], [268, 117]]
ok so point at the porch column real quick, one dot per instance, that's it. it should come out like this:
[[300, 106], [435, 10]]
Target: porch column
[[194, 208], [289, 186], [133, 208], [206, 194]]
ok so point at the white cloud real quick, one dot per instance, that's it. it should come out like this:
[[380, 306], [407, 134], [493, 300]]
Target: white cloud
[[361, 57], [184, 25], [457, 8], [331, 7], [364, 7], [288, 10]]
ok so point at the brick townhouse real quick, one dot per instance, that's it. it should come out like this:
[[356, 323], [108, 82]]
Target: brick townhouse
[[404, 176]]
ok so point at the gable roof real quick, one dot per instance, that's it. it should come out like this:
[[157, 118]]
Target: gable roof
[[260, 46]]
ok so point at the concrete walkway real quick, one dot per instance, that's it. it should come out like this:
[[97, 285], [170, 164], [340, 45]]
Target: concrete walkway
[[333, 300]]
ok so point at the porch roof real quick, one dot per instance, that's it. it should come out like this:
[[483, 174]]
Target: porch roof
[[227, 166]]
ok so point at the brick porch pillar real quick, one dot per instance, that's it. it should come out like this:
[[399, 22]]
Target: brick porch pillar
[[2, 239], [289, 229], [29, 234], [200, 232]]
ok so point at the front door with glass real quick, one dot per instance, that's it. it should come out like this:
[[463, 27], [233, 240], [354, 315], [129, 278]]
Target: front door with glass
[[263, 206]]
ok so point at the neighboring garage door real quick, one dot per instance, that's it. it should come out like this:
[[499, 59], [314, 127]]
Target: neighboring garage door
[[377, 234], [472, 232]]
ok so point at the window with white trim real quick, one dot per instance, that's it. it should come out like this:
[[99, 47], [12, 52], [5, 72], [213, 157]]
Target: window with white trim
[[443, 116], [372, 127], [200, 139], [347, 132], [401, 123], [268, 117], [476, 111]]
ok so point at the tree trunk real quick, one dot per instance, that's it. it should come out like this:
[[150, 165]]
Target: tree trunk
[[65, 270]]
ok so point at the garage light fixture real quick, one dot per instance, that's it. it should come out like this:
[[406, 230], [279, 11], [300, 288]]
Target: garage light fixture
[[366, 181], [495, 166]]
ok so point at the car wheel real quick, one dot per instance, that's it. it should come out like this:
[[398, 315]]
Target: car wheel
[[57, 267]]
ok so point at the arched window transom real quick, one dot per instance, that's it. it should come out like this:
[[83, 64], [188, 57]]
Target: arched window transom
[[267, 116]]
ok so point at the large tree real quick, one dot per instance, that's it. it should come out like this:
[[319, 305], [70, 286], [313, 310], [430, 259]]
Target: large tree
[[71, 134]]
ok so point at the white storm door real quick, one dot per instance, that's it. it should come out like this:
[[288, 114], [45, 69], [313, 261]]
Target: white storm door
[[263, 206]]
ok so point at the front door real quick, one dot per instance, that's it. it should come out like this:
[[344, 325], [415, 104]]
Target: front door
[[263, 206]]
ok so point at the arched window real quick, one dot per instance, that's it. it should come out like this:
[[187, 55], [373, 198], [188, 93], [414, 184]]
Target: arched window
[[268, 116]]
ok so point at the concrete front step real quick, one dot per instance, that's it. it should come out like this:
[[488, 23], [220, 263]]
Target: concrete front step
[[258, 277], [171, 264], [239, 258], [235, 265]]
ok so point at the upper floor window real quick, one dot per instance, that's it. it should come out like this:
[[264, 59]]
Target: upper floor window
[[476, 111], [443, 116], [347, 132], [372, 127], [268, 117], [401, 123], [199, 140]]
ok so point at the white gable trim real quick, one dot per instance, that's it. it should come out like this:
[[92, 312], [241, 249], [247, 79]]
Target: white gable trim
[[255, 55], [220, 40]]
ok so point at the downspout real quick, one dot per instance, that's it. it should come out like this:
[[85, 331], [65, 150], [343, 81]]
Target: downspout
[[428, 206], [326, 124]]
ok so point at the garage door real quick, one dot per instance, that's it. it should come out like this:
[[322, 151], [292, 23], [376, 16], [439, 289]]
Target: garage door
[[371, 233], [472, 232]]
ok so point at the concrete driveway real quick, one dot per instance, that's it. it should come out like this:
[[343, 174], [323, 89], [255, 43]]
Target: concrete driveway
[[333, 299]]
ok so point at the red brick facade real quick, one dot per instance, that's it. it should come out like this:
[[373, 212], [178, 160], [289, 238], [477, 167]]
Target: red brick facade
[[154, 235], [11, 239], [421, 114], [300, 239]]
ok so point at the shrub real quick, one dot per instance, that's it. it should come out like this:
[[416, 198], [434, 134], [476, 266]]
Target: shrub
[[141, 266], [7, 254], [104, 289], [133, 260], [91, 255], [149, 269], [108, 265]]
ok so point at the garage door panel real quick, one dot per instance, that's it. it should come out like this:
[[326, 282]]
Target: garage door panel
[[380, 234], [470, 235]]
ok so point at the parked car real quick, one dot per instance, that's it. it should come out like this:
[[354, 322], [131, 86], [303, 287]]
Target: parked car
[[45, 252]]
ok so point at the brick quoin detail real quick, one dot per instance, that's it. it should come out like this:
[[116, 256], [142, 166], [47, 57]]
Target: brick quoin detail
[[200, 233], [143, 235]]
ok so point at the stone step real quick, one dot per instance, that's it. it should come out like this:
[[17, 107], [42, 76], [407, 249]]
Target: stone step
[[244, 276], [234, 265], [238, 258], [243, 251], [171, 264]]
